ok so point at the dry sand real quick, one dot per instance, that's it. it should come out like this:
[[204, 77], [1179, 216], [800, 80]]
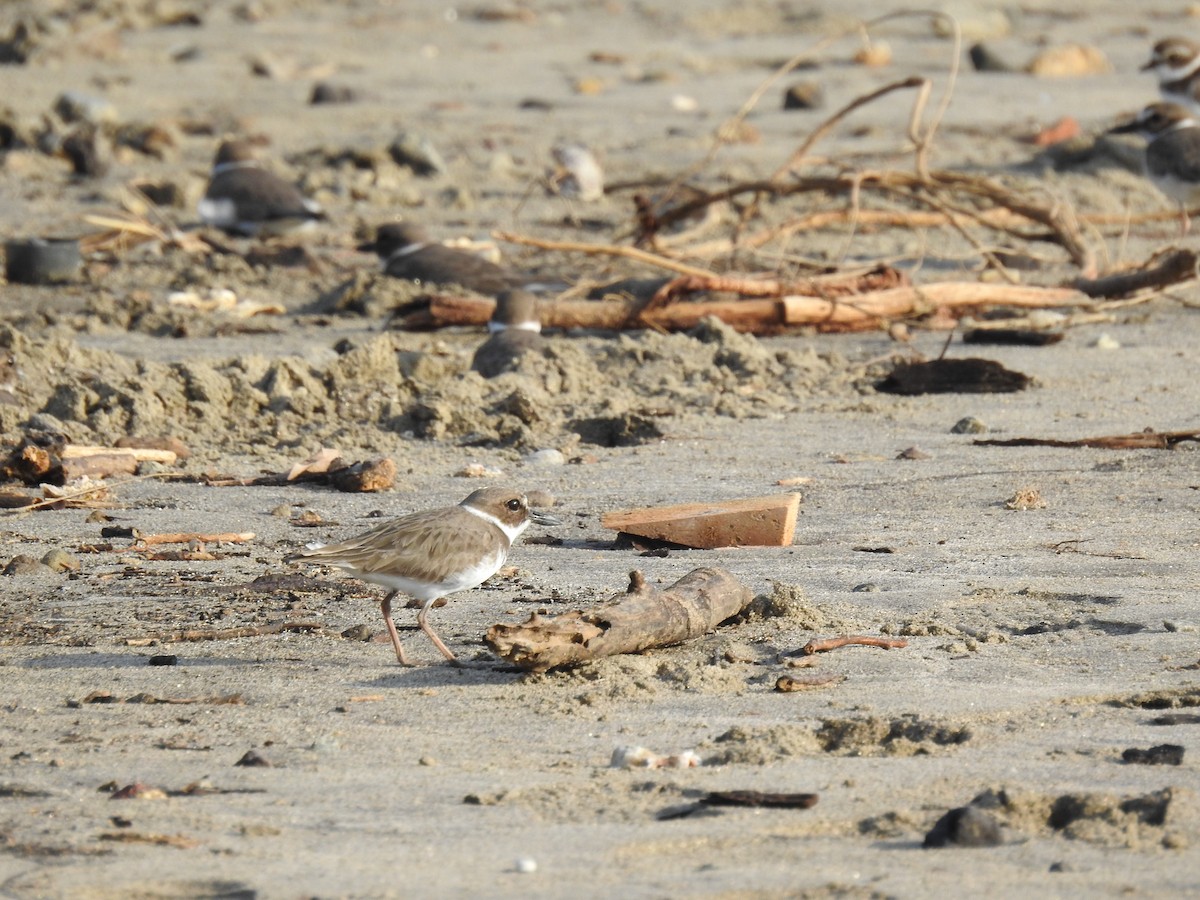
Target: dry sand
[[1042, 643]]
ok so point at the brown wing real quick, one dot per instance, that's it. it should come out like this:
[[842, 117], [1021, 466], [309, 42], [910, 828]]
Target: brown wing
[[414, 546], [261, 195], [437, 264]]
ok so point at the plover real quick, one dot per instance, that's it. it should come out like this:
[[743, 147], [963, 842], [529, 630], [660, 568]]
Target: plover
[[514, 331], [1176, 63], [244, 198], [1172, 154], [429, 555], [408, 252]]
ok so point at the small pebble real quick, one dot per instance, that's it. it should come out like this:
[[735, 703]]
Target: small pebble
[[427, 761], [61, 561], [325, 92], [1106, 342], [253, 758], [969, 425], [805, 95], [526, 865], [1069, 61], [867, 587], [986, 59], [418, 153], [878, 54], [357, 633], [479, 470], [1026, 498], [547, 457]]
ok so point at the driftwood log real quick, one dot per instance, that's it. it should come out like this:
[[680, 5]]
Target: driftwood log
[[758, 315], [641, 618], [1138, 440]]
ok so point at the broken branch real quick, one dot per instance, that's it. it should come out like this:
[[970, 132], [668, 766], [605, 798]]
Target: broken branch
[[1163, 271], [821, 646], [641, 618], [761, 316], [1138, 440], [187, 537]]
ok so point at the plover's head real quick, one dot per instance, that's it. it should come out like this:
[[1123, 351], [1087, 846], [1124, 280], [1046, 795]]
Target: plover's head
[[506, 508], [1156, 120], [1173, 58], [233, 152], [394, 237], [515, 309]]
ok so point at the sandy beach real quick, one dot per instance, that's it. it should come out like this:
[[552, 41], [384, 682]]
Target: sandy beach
[[1043, 643]]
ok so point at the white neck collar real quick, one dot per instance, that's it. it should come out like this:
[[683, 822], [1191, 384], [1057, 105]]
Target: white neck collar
[[405, 251], [224, 167], [512, 532], [497, 327]]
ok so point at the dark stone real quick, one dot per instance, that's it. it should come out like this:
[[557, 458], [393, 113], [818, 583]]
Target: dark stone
[[41, 260], [953, 376], [804, 95], [253, 758], [985, 59], [325, 92], [966, 826], [1176, 719], [1161, 755], [1020, 337], [163, 659]]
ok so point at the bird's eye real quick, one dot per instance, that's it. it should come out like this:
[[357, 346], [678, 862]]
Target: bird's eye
[[513, 504]]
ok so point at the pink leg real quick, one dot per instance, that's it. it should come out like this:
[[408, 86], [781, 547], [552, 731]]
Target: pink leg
[[386, 606], [437, 641]]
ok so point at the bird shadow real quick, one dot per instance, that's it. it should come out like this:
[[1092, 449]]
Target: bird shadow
[[471, 673]]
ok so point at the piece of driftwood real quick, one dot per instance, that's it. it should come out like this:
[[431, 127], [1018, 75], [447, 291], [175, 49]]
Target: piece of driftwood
[[757, 315], [754, 522], [53, 462], [99, 465], [1163, 270], [188, 537], [166, 442], [14, 499], [953, 376], [141, 454], [1138, 440], [365, 476], [641, 618], [760, 799], [863, 640]]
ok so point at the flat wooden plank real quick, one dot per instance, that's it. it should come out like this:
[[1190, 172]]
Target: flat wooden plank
[[752, 522]]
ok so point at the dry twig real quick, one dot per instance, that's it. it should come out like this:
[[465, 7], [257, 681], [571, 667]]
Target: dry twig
[[821, 646]]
